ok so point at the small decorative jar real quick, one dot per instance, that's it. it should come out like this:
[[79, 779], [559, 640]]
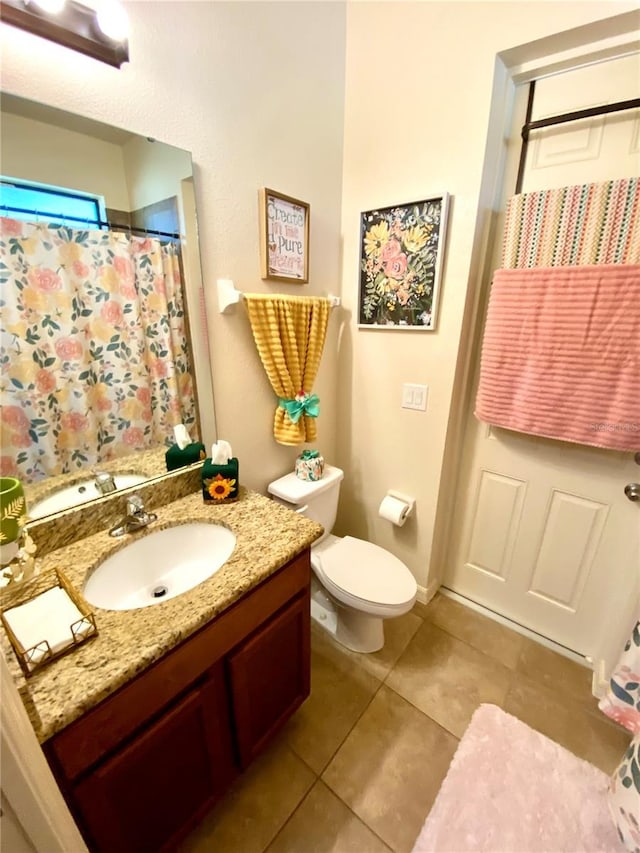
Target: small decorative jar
[[310, 465]]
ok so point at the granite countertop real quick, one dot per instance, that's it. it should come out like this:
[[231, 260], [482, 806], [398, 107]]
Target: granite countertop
[[268, 536]]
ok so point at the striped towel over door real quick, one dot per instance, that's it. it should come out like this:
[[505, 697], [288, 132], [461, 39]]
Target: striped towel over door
[[574, 226]]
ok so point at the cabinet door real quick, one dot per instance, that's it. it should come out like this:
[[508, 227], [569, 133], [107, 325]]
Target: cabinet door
[[145, 796], [269, 675]]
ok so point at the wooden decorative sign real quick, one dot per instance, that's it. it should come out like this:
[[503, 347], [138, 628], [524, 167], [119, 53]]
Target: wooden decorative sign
[[284, 237]]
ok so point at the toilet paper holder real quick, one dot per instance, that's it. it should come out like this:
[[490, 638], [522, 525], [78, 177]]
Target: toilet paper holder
[[411, 502], [396, 507]]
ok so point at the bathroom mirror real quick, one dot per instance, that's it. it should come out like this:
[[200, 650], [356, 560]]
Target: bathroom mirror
[[141, 196]]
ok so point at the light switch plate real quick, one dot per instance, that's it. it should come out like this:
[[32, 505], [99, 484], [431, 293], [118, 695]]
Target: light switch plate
[[415, 396]]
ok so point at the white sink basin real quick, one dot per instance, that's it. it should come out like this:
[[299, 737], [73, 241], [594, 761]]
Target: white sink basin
[[79, 493], [159, 566]]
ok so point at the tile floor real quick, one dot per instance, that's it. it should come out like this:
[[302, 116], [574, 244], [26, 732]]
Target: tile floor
[[357, 769]]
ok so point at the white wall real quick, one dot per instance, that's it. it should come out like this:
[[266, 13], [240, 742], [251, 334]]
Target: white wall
[[419, 80], [256, 92], [44, 153]]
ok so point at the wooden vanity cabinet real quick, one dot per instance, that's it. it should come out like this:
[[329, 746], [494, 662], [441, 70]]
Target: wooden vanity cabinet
[[142, 797], [142, 768], [269, 677]]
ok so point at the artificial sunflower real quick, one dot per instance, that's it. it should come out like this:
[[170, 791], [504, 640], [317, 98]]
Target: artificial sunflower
[[220, 487]]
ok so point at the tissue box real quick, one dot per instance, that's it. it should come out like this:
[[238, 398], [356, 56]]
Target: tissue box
[[220, 483], [310, 465], [176, 458]]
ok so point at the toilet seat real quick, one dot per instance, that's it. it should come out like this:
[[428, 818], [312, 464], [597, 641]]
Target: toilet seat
[[364, 576]]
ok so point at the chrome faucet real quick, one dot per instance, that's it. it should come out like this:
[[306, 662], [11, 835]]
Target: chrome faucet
[[105, 483], [135, 519]]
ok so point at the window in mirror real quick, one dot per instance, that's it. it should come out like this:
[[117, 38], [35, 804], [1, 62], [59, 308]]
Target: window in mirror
[[29, 202]]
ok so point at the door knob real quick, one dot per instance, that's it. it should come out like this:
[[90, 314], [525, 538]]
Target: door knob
[[632, 491]]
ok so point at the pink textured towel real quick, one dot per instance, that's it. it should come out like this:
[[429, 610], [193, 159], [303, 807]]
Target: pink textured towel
[[561, 354]]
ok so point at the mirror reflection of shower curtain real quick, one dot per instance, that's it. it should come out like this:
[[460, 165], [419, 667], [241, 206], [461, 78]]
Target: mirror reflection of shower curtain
[[94, 359]]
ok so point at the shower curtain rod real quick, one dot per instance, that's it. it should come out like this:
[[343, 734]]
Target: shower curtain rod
[[563, 118], [150, 232]]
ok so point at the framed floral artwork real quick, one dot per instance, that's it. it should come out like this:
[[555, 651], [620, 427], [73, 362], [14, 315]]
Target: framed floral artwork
[[401, 249], [284, 237]]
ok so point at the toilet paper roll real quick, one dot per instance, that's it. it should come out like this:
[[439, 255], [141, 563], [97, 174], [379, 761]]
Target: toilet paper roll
[[394, 510]]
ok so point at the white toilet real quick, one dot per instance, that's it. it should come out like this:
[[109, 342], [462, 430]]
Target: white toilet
[[356, 584]]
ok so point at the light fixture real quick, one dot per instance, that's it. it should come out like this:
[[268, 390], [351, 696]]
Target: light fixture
[[52, 7], [75, 25], [113, 20]]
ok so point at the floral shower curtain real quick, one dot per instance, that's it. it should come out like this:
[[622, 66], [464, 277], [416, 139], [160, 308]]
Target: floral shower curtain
[[94, 360], [622, 700]]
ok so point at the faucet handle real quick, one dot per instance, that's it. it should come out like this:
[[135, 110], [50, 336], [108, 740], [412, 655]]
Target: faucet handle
[[135, 504], [105, 483], [135, 519]]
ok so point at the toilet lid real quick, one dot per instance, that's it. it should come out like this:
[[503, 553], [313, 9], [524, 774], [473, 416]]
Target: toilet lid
[[367, 571]]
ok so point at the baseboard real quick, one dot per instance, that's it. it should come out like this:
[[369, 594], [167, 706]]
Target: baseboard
[[426, 593], [600, 681], [515, 626]]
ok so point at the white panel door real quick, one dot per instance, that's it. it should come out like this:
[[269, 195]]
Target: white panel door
[[543, 533]]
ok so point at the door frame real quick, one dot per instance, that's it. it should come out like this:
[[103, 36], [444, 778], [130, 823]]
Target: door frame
[[28, 783], [608, 38]]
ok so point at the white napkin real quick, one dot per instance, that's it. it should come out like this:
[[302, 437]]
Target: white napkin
[[221, 452], [181, 436], [49, 617]]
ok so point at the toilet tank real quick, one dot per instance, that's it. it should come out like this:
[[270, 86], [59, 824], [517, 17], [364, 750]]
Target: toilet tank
[[316, 500]]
